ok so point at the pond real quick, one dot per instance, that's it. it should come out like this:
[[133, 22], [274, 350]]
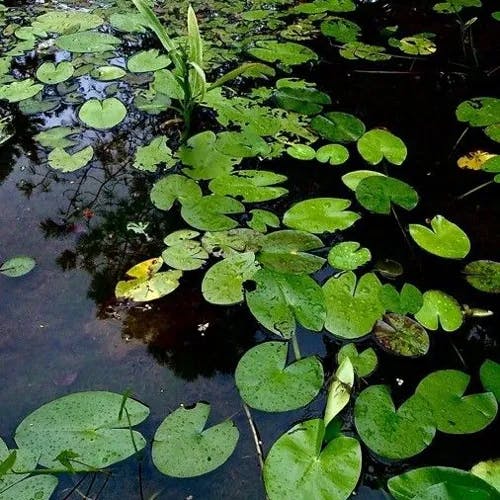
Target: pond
[[279, 215]]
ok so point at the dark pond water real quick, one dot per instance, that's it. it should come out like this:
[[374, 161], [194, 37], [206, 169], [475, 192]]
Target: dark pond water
[[62, 331]]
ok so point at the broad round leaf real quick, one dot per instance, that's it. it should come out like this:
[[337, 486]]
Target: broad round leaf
[[182, 447], [58, 21], [440, 309], [395, 434], [338, 127], [52, 74], [66, 162], [266, 383], [87, 41], [35, 487], [489, 471], [298, 467], [108, 73], [479, 111], [340, 29], [87, 424], [445, 239], [378, 144], [490, 377], [401, 335], [174, 187], [452, 412], [352, 179], [19, 90], [364, 363], [319, 215], [410, 300], [301, 152], [348, 255], [17, 266], [148, 60], [102, 114], [186, 255], [484, 275], [287, 53], [148, 157], [334, 154], [304, 100]]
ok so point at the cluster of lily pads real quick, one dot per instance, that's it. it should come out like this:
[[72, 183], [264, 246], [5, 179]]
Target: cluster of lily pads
[[251, 252]]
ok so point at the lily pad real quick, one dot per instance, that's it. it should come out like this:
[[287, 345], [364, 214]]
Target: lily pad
[[394, 434], [479, 111], [484, 275], [223, 282], [445, 239], [153, 154], [17, 266], [174, 187], [86, 423], [297, 465], [440, 309], [377, 193], [262, 219], [104, 114], [185, 254], [409, 300], [352, 309], [304, 100], [364, 362], [302, 152], [358, 50], [319, 215], [490, 377], [420, 484], [348, 255], [58, 21], [56, 137], [489, 471], [182, 447], [66, 162], [20, 90], [334, 154], [88, 41], [266, 383], [108, 73], [287, 53], [352, 179], [279, 301], [52, 74], [148, 60], [338, 127], [452, 412], [401, 335], [39, 487], [340, 29], [378, 144]]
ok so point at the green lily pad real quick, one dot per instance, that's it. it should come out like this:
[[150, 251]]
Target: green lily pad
[[86, 423], [489, 471], [108, 73], [225, 243], [304, 100], [287, 53], [153, 154], [174, 187], [483, 275], [479, 111], [39, 487], [445, 239], [262, 219], [302, 152], [319, 215], [338, 127], [334, 154], [452, 412], [17, 266], [320, 6], [394, 434], [339, 392], [103, 114], [377, 144], [223, 282], [286, 252], [440, 309], [147, 60], [352, 179], [251, 186], [377, 193], [352, 309], [421, 483], [297, 465], [401, 335], [358, 50], [348, 255], [185, 254], [490, 377], [420, 44], [56, 137], [280, 301], [340, 29], [88, 41], [58, 21], [20, 90], [266, 383], [66, 162], [131, 22], [409, 300], [52, 74], [364, 362], [245, 144], [182, 447]]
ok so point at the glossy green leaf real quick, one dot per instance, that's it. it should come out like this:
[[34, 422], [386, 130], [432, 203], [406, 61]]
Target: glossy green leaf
[[389, 432], [352, 308], [445, 239], [320, 215], [489, 471], [298, 467], [340, 29], [183, 447], [280, 301], [377, 144], [483, 275], [377, 193], [152, 155], [225, 243], [267, 383], [452, 412], [401, 335], [223, 282], [287, 53], [88, 41], [52, 74], [304, 100], [35, 487], [186, 255], [348, 255], [175, 187], [108, 73], [147, 60], [409, 300], [440, 309], [302, 152], [420, 44], [262, 219], [130, 22], [19, 90], [320, 6], [352, 179], [87, 424], [66, 21], [364, 362], [17, 266], [338, 127], [334, 154], [490, 377], [56, 137], [339, 392], [103, 114], [358, 50], [479, 111], [69, 162]]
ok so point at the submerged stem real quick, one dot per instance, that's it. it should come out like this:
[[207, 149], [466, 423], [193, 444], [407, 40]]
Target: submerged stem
[[473, 190], [295, 347], [255, 435]]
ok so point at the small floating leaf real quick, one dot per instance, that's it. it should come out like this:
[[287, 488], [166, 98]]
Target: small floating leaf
[[445, 239], [479, 111], [153, 154], [57, 21], [364, 363], [266, 383], [108, 73], [148, 60], [490, 377], [262, 219], [358, 50], [334, 154], [56, 137], [348, 255], [342, 30], [409, 300], [338, 127], [287, 53], [87, 41], [352, 179], [17, 266], [489, 471], [182, 447], [302, 152], [65, 162], [52, 74], [186, 255], [440, 309], [483, 275], [102, 114], [20, 90], [304, 100], [174, 187], [378, 144]]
